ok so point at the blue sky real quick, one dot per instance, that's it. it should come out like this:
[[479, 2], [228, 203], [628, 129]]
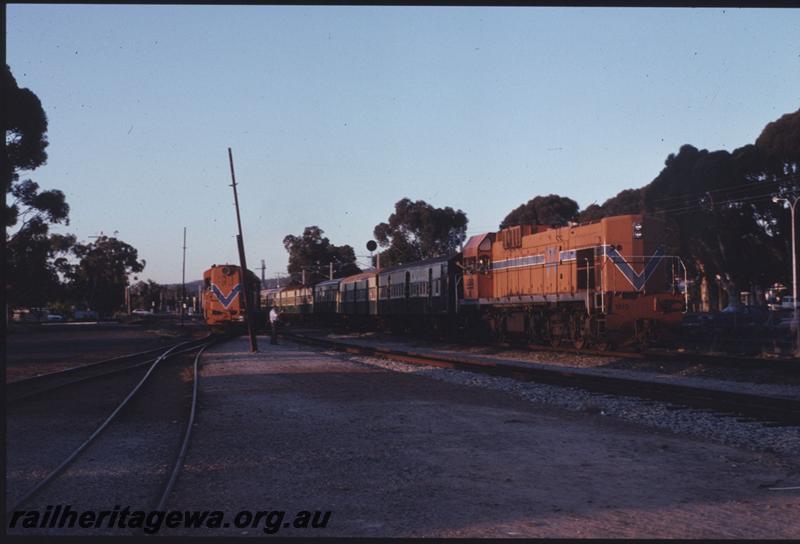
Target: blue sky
[[335, 113]]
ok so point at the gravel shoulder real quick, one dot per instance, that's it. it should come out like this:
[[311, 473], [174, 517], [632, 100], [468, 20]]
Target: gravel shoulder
[[394, 450], [765, 381]]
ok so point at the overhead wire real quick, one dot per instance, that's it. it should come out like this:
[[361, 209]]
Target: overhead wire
[[731, 189]]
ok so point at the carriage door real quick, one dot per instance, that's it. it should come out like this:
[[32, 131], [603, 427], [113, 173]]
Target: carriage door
[[584, 263], [407, 289], [430, 290]]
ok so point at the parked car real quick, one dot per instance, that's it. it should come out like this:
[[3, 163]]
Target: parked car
[[141, 311], [744, 315], [785, 303], [697, 321], [786, 323], [54, 318], [86, 315]]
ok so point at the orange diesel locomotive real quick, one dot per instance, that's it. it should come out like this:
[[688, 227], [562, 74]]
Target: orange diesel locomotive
[[604, 282], [223, 295]]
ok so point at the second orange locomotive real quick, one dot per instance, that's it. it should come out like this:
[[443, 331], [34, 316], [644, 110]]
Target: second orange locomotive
[[593, 283]]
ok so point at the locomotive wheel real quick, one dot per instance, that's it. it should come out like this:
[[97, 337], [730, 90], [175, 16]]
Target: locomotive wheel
[[580, 331], [655, 333], [537, 330], [646, 333], [555, 330], [500, 329]]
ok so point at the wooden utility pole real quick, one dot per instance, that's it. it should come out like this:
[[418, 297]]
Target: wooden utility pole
[[183, 276], [263, 269], [243, 264]]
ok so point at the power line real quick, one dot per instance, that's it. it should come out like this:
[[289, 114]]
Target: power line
[[731, 189]]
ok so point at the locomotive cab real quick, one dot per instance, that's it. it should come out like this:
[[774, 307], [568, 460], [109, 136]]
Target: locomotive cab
[[477, 268]]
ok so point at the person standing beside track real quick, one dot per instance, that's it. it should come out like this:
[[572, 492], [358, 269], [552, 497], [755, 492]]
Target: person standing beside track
[[273, 323]]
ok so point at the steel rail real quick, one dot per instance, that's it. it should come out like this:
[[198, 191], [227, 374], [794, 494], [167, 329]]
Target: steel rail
[[781, 410], [73, 369], [71, 457], [186, 436], [13, 394], [743, 361], [721, 359]]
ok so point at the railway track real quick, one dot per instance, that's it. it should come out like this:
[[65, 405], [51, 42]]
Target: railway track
[[178, 350], [777, 411], [35, 386], [729, 360], [718, 359]]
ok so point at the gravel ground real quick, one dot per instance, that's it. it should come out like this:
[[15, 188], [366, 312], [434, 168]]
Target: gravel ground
[[765, 381], [720, 428], [127, 465], [399, 450]]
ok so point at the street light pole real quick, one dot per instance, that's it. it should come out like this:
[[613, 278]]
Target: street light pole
[[792, 205]]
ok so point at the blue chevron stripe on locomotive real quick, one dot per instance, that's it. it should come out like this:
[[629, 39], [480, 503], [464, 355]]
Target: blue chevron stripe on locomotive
[[638, 281], [226, 300]]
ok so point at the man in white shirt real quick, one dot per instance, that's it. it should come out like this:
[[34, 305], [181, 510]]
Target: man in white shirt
[[273, 323]]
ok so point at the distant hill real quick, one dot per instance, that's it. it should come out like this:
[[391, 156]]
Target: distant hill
[[192, 286]]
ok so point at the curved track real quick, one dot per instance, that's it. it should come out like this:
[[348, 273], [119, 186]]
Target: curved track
[[34, 386], [187, 434], [173, 351]]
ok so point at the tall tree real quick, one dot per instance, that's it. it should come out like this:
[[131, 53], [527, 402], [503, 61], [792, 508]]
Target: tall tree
[[552, 210], [145, 294], [314, 253], [779, 145], [101, 275], [712, 207], [26, 141], [628, 201], [418, 230], [33, 256], [34, 266]]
